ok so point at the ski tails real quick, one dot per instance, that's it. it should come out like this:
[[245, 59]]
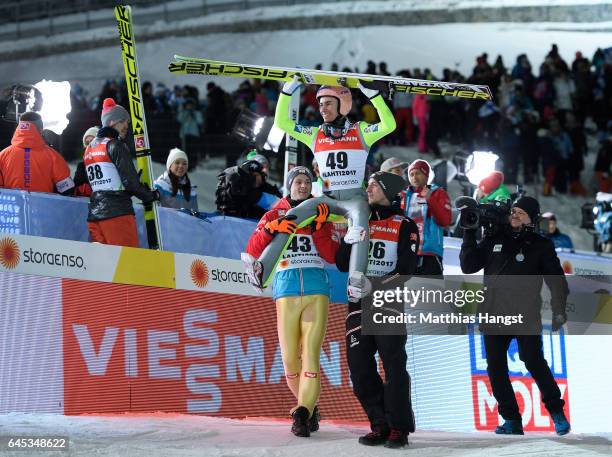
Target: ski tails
[[196, 66], [123, 14]]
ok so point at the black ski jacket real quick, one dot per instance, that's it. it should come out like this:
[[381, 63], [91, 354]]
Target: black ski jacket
[[515, 267], [107, 204], [407, 245]]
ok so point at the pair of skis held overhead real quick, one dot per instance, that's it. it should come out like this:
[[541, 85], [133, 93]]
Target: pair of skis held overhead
[[349, 204]]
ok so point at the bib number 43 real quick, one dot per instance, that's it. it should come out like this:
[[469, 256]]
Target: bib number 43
[[300, 244]]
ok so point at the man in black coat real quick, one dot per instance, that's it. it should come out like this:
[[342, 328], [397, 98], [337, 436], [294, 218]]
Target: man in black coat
[[394, 240], [516, 260]]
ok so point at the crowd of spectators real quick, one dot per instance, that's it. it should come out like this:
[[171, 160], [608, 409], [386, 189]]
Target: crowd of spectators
[[538, 121]]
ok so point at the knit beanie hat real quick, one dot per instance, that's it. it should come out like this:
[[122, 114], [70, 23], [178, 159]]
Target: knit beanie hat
[[262, 159], [390, 183], [392, 162], [530, 205], [33, 118], [294, 172], [175, 153], [421, 165], [491, 182], [91, 131], [113, 112]]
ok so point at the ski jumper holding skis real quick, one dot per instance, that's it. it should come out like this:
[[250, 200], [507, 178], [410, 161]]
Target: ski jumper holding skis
[[113, 180], [301, 291], [341, 149]]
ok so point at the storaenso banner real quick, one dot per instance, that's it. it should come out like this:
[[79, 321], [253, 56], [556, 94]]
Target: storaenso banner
[[197, 66], [499, 305], [53, 258]]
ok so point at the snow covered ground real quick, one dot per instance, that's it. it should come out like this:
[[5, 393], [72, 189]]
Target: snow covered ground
[[176, 435]]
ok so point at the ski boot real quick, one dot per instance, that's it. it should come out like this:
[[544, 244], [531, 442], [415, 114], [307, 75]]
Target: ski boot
[[300, 422], [313, 422], [376, 437], [510, 427], [397, 439], [562, 425]]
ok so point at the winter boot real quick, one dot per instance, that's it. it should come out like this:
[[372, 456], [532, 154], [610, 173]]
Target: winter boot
[[376, 437], [562, 426], [397, 439], [313, 422], [300, 422], [510, 427]]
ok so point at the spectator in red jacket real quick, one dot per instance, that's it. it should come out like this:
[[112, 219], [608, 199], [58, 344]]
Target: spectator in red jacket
[[29, 164], [429, 206]]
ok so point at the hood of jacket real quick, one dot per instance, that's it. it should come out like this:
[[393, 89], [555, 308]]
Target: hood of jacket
[[27, 136]]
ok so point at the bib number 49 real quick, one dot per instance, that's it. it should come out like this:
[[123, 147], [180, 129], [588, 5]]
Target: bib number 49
[[337, 160]]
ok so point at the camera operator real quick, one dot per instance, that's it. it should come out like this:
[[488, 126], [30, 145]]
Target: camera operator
[[508, 251], [601, 221]]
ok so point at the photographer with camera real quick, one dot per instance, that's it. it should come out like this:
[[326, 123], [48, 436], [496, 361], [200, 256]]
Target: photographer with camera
[[505, 252]]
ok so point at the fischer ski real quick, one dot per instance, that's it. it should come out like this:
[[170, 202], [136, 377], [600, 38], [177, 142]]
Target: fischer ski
[[196, 66], [123, 14]]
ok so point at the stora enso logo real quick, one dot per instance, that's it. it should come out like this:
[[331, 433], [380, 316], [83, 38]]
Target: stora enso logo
[[9, 253], [199, 273]]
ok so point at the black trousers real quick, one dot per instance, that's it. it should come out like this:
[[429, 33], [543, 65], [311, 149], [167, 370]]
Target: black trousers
[[530, 352], [386, 404], [429, 265]]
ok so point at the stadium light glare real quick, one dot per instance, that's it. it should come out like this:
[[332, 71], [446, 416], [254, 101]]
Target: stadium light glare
[[479, 165], [55, 104]]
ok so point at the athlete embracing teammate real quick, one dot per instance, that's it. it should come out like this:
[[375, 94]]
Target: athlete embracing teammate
[[341, 150], [301, 291]]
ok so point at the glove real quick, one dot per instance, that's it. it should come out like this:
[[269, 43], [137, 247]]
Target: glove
[[281, 225], [322, 215], [354, 234], [558, 320], [359, 286], [290, 86], [367, 89], [156, 196]]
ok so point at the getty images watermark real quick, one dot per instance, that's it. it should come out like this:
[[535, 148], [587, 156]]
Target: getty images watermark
[[388, 300], [516, 305]]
